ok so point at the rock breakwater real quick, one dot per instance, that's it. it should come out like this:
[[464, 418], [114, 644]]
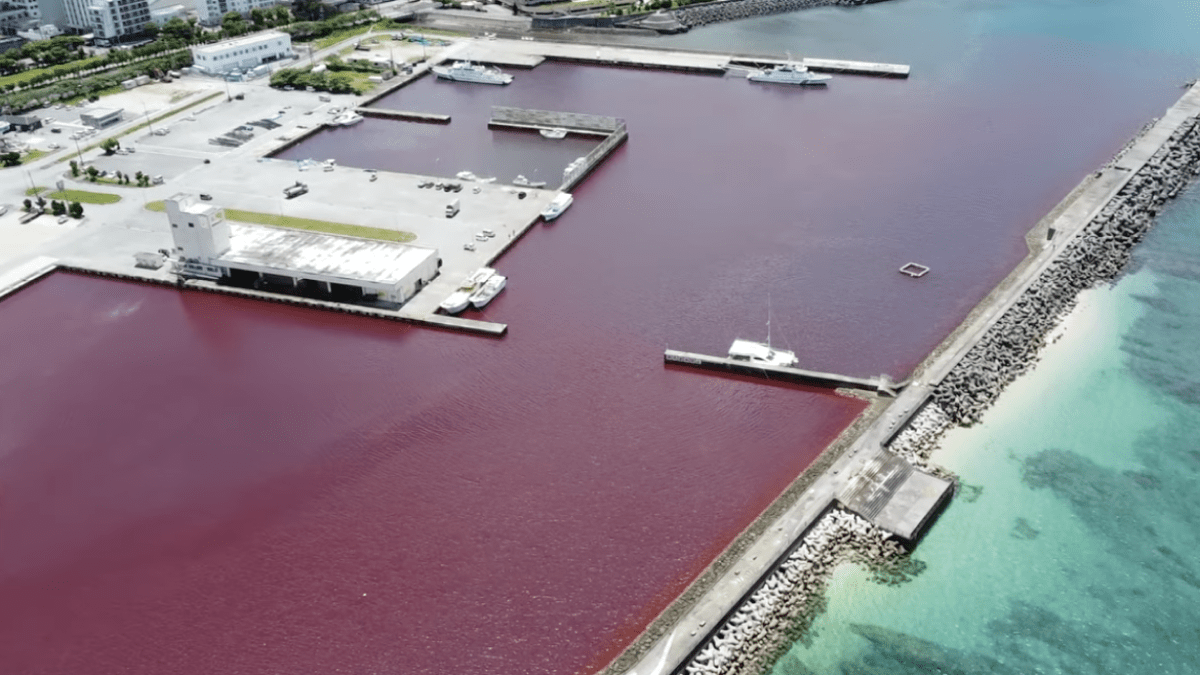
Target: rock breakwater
[[729, 10], [782, 607], [1097, 255]]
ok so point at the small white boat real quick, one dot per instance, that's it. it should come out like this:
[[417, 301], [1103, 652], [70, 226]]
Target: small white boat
[[465, 71], [490, 289], [522, 181], [459, 299], [465, 175], [760, 353], [557, 205], [555, 133], [347, 118]]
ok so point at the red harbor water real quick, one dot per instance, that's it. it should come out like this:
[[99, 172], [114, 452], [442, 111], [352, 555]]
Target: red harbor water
[[196, 484]]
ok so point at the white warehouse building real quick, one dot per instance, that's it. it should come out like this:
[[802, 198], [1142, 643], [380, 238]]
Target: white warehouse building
[[242, 53], [209, 247]]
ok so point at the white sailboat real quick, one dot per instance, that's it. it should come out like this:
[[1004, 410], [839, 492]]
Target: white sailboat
[[762, 353]]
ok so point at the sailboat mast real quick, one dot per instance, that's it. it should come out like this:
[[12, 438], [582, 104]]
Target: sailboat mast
[[768, 320]]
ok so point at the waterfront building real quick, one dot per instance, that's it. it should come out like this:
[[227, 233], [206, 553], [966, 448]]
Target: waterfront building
[[19, 15], [108, 20], [242, 53], [209, 247], [209, 12]]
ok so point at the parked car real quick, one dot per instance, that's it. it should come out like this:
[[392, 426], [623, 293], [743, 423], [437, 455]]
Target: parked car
[[206, 197]]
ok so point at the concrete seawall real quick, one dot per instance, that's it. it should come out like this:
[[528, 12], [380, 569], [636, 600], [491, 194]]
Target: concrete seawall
[[1090, 236], [729, 10]]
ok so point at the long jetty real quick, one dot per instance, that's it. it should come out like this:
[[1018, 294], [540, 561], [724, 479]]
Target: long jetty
[[723, 624], [882, 385], [406, 115]]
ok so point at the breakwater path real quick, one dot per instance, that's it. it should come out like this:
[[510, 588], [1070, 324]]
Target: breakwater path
[[733, 625], [730, 10]]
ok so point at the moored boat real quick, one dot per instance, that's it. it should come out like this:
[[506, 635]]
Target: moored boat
[[760, 353], [490, 289], [555, 133], [347, 118], [557, 205], [459, 299], [788, 73], [522, 181], [465, 71]]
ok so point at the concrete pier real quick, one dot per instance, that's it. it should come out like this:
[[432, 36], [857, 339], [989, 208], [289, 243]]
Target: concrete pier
[[896, 497], [881, 385], [21, 276], [839, 66], [408, 116]]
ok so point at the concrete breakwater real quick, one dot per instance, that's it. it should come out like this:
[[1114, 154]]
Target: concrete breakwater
[[784, 603], [1098, 254], [729, 10]]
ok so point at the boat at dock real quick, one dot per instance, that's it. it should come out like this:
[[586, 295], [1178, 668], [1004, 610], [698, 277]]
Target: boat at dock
[[788, 73], [460, 298], [556, 206], [490, 289], [555, 133], [465, 71], [761, 353], [522, 181], [348, 118]]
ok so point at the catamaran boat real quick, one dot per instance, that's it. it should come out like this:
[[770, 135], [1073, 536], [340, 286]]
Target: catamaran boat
[[347, 118], [465, 71], [555, 133], [788, 73], [761, 354], [459, 299], [490, 289], [557, 205]]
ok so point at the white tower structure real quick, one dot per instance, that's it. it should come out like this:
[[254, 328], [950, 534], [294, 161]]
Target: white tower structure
[[201, 235]]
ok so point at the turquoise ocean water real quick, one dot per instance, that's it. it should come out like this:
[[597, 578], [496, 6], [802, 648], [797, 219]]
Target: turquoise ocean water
[[1074, 546]]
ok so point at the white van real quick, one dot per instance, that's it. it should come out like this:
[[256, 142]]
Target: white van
[[452, 209]]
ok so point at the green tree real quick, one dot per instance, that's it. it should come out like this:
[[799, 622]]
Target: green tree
[[75, 210], [57, 208], [28, 205], [74, 169], [232, 24], [110, 145], [92, 173], [152, 30], [10, 159]]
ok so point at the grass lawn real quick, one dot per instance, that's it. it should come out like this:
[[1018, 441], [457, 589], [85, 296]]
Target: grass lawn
[[295, 223], [81, 196], [23, 77], [34, 155], [339, 35]]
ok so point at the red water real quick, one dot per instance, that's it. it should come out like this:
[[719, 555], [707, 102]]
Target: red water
[[197, 484]]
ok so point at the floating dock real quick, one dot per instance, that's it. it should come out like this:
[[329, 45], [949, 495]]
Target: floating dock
[[406, 115], [881, 385]]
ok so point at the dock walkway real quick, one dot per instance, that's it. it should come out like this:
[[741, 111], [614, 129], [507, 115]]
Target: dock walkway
[[881, 385]]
